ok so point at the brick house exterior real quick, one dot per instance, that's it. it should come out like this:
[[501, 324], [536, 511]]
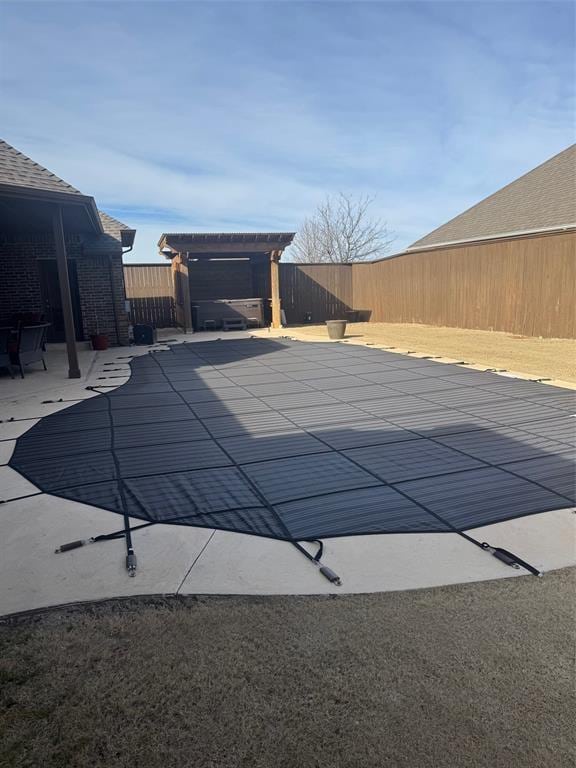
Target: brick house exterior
[[27, 251]]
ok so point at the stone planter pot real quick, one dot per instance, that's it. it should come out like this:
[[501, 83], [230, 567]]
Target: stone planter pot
[[336, 328]]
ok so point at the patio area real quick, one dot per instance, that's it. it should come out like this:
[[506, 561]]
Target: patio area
[[178, 559]]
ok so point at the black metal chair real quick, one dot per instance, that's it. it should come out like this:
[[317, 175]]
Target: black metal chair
[[6, 335], [30, 346]]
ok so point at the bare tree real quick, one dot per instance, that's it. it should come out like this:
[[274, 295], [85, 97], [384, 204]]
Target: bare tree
[[341, 232]]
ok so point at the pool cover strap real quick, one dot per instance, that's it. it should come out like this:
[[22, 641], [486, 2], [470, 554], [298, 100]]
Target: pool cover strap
[[506, 557], [101, 537]]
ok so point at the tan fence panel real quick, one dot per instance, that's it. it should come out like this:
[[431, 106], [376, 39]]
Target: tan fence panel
[[323, 291], [524, 286], [150, 290]]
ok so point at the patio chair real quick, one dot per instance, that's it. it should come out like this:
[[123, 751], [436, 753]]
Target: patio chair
[[29, 346], [27, 318], [23, 319], [5, 339]]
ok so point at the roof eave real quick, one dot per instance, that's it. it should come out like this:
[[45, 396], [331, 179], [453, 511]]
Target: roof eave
[[59, 198]]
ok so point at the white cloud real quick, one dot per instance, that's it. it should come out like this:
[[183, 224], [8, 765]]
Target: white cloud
[[246, 116]]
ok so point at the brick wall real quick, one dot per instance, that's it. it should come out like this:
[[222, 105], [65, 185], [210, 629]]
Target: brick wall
[[19, 279], [95, 279], [20, 283]]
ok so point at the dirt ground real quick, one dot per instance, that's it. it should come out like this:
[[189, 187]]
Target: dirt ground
[[470, 676], [551, 358]]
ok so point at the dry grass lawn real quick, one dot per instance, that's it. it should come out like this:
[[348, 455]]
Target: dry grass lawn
[[551, 358], [469, 676]]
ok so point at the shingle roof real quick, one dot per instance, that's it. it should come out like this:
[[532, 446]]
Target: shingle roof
[[17, 170], [112, 226], [114, 230], [543, 199]]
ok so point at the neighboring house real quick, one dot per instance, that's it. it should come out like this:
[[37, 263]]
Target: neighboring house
[[540, 203], [506, 264], [47, 225]]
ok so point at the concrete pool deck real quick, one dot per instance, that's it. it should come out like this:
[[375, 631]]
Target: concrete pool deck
[[183, 560]]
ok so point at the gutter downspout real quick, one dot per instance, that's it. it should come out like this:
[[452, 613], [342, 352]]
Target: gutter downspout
[[112, 291]]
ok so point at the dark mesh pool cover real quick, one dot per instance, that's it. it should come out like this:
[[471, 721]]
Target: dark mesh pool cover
[[300, 441]]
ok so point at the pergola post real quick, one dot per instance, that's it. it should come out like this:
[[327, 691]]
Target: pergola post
[[64, 282], [185, 288], [275, 288]]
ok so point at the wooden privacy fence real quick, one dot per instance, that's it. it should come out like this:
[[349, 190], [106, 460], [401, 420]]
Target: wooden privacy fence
[[315, 292], [523, 286], [322, 291], [519, 285], [150, 291]]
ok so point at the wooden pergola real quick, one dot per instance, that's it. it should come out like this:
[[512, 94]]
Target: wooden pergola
[[262, 249]]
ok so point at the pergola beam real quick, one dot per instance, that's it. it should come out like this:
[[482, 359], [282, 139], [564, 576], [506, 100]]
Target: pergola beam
[[245, 243], [65, 295]]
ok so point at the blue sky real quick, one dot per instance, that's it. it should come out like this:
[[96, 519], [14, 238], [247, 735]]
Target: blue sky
[[191, 116]]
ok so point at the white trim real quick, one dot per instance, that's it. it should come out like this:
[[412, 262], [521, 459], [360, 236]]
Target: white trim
[[490, 237]]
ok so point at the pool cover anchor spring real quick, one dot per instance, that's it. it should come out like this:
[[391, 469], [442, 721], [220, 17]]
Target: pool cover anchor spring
[[131, 561], [328, 573], [506, 557], [509, 558]]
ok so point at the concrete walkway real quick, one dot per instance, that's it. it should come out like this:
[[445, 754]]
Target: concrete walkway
[[174, 559]]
